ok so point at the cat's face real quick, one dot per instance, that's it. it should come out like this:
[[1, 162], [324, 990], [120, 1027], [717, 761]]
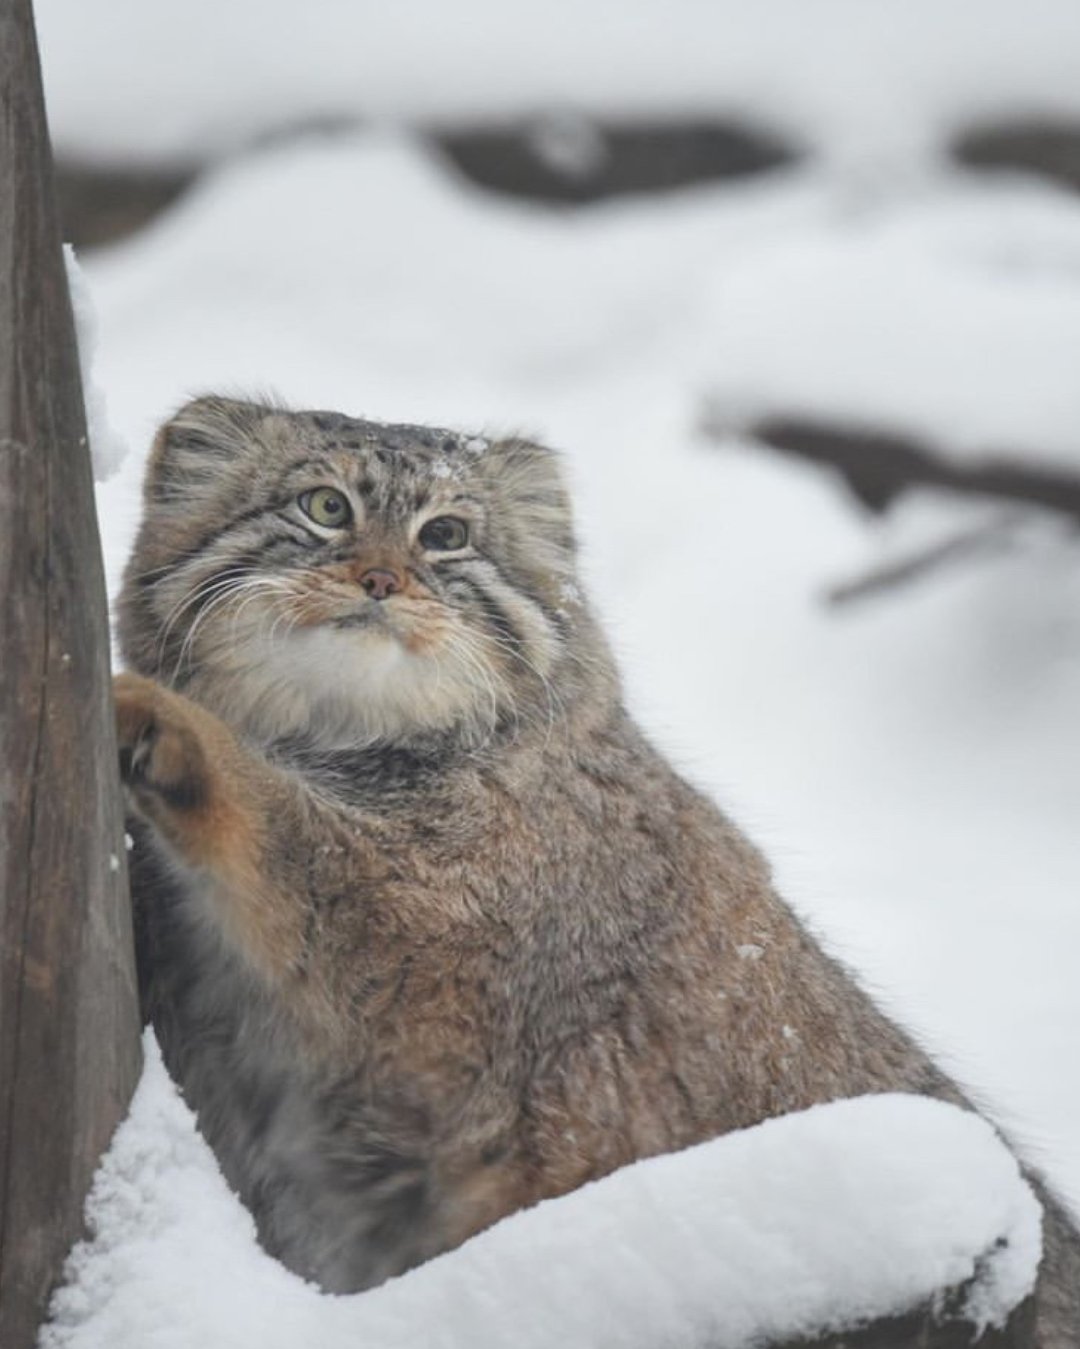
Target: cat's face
[[306, 573]]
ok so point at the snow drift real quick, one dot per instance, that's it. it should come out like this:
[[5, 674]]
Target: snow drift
[[816, 1221]]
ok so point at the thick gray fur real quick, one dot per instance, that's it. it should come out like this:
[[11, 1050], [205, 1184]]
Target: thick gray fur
[[428, 930]]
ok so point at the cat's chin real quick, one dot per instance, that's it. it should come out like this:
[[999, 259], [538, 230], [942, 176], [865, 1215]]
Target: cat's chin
[[338, 686]]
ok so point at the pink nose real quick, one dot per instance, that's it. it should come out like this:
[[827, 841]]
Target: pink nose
[[380, 582]]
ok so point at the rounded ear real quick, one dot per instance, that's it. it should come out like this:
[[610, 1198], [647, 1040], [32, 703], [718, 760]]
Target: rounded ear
[[199, 443], [528, 479], [532, 520]]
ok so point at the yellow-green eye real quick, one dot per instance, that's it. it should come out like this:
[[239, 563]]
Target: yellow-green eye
[[444, 534], [326, 506]]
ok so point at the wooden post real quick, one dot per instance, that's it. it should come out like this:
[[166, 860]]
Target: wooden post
[[69, 1048]]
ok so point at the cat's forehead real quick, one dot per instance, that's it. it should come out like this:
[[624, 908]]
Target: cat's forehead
[[383, 458], [392, 444]]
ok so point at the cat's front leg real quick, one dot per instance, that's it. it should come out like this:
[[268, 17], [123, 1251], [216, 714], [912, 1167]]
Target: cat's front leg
[[177, 762], [213, 807]]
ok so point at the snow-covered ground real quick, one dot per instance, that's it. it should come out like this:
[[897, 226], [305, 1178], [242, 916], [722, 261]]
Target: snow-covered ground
[[873, 1207], [911, 763]]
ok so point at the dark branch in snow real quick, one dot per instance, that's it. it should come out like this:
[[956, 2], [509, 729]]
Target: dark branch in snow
[[992, 536], [880, 465], [565, 159], [1049, 148], [98, 205], [573, 159]]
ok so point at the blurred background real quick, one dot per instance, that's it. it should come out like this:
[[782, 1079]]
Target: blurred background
[[794, 284]]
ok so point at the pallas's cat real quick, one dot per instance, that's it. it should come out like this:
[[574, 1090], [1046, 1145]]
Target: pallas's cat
[[428, 930]]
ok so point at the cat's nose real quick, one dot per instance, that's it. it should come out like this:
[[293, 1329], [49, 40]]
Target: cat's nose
[[381, 581]]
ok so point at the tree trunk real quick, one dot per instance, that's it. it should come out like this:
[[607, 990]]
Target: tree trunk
[[69, 1049]]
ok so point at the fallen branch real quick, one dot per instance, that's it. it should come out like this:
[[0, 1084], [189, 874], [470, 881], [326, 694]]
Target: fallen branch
[[991, 536], [879, 465], [1044, 146]]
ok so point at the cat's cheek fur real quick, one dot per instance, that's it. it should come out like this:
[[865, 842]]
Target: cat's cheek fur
[[346, 687]]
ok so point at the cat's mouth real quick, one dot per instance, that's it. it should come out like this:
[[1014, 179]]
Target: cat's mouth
[[417, 633], [371, 617], [412, 619]]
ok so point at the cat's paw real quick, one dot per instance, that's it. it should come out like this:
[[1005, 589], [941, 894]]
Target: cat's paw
[[161, 753], [185, 774]]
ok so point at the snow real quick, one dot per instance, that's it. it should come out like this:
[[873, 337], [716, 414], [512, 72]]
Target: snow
[[107, 450], [909, 762], [874, 1205], [955, 319], [861, 83]]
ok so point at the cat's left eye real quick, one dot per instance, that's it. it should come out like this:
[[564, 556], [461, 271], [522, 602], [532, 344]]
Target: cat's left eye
[[444, 534], [326, 506]]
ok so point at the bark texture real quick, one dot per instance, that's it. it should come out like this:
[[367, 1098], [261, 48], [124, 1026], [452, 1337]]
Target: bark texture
[[69, 1048]]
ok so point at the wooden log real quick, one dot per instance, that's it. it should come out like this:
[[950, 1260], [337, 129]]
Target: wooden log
[[69, 1049], [931, 1328]]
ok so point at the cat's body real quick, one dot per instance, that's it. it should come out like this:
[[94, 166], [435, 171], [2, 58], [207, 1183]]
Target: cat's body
[[429, 931]]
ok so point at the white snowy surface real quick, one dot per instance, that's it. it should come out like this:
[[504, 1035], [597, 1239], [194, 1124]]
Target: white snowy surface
[[956, 319], [910, 764], [107, 450], [863, 83], [820, 1220]]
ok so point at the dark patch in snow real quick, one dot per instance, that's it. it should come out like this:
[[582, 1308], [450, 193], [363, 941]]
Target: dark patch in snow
[[578, 161], [1043, 146]]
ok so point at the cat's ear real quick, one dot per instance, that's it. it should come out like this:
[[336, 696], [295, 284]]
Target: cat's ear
[[200, 443], [531, 525], [528, 479]]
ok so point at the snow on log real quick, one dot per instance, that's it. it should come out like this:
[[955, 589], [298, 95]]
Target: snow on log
[[888, 1220]]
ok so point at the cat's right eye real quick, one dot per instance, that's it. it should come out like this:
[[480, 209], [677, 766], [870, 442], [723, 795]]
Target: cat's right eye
[[326, 506]]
